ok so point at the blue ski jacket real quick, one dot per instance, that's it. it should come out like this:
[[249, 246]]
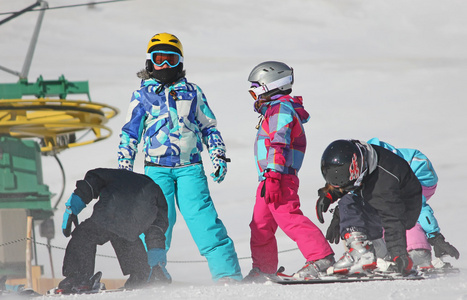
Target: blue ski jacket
[[173, 121], [423, 169]]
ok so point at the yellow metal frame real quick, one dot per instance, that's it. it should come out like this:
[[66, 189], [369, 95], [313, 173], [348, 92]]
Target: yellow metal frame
[[50, 119]]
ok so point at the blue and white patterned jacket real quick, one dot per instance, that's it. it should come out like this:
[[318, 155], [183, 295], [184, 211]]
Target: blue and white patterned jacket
[[173, 121]]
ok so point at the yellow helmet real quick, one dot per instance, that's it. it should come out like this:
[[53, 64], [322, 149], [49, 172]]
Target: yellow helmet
[[165, 39]]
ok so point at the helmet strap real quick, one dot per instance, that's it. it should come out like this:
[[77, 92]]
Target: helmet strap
[[149, 67]]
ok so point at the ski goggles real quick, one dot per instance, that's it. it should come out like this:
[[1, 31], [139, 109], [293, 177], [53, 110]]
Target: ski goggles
[[255, 92], [159, 58]]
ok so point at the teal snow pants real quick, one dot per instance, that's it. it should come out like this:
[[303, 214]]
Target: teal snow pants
[[187, 186]]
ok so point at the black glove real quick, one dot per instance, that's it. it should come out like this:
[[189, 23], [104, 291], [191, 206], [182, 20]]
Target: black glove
[[442, 247], [403, 264], [333, 234], [327, 195]]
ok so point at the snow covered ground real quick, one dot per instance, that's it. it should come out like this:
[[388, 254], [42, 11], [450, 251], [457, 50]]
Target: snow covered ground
[[391, 69]]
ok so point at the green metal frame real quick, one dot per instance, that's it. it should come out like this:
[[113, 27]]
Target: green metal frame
[[21, 179], [43, 88]]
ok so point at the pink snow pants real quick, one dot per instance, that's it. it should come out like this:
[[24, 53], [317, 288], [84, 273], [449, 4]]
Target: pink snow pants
[[287, 215], [416, 237]]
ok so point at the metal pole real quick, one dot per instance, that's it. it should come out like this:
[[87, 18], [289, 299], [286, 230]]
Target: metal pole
[[10, 71], [63, 181], [32, 45], [49, 247]]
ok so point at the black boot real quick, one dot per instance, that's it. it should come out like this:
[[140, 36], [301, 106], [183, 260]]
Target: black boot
[[78, 285]]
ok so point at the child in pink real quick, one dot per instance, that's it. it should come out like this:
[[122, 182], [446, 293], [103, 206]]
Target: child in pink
[[279, 151], [416, 236]]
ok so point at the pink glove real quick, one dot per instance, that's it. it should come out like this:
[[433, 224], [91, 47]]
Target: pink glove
[[271, 191]]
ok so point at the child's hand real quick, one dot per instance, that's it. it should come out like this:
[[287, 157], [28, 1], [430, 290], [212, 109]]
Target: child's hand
[[326, 196], [271, 190], [219, 175], [219, 162]]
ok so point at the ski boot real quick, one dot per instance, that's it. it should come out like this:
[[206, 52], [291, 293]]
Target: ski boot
[[421, 259], [314, 269], [380, 249], [256, 276], [74, 285], [135, 281], [359, 258]]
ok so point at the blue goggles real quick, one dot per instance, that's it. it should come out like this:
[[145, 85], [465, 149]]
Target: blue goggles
[[159, 58]]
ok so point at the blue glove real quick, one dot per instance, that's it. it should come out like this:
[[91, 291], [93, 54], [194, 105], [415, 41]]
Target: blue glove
[[74, 206], [157, 260]]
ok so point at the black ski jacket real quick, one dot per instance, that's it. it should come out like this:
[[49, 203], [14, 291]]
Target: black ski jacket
[[129, 204], [395, 192]]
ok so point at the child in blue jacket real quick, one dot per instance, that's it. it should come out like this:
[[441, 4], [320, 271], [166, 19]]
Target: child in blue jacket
[[426, 232], [172, 118]]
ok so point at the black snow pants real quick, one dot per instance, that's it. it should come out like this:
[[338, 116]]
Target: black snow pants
[[80, 253], [356, 215]]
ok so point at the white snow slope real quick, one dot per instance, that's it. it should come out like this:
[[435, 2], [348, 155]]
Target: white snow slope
[[391, 69]]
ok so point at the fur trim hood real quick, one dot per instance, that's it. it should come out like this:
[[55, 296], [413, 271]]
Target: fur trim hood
[[144, 74]]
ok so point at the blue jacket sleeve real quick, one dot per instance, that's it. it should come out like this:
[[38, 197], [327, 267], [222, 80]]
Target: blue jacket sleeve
[[131, 133], [207, 124], [428, 221]]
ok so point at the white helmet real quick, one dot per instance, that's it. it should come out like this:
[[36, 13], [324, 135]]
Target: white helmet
[[272, 77]]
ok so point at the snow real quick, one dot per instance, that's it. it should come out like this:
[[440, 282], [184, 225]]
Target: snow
[[391, 69]]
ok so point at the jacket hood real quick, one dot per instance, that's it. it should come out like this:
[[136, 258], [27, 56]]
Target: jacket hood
[[378, 142], [371, 156], [369, 162], [297, 105], [143, 74]]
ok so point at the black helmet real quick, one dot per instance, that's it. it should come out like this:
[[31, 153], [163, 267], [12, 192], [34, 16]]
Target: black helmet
[[343, 163]]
